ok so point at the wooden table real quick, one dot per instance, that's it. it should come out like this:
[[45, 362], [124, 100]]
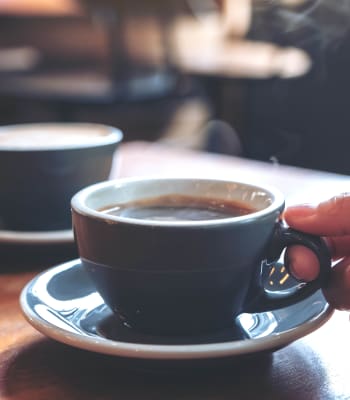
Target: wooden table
[[35, 367]]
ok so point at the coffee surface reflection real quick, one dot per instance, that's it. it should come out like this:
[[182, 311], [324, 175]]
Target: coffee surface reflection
[[176, 207]]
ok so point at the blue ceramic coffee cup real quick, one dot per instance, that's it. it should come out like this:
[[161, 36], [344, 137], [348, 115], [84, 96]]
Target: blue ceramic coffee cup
[[182, 275]]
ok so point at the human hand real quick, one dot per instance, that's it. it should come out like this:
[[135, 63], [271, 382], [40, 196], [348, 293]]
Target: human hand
[[216, 43], [330, 219]]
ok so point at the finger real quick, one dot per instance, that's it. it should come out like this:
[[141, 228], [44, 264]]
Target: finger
[[302, 263], [329, 218], [339, 246], [237, 17], [338, 291]]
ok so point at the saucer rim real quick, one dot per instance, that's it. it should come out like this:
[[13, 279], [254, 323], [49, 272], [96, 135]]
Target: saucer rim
[[107, 346], [36, 237]]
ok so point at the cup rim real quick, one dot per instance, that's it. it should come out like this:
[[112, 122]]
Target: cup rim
[[113, 136], [78, 204]]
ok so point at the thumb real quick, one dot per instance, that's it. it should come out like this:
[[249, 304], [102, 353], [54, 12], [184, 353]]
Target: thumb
[[329, 218]]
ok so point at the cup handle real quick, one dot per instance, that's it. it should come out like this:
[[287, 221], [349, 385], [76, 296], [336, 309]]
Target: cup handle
[[260, 298]]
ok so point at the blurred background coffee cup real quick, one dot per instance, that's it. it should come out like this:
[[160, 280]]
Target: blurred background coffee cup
[[41, 167]]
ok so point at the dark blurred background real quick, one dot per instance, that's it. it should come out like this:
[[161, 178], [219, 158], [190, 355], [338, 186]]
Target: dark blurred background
[[261, 79]]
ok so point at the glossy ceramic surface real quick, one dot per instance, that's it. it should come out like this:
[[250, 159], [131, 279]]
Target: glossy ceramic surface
[[38, 237], [62, 303]]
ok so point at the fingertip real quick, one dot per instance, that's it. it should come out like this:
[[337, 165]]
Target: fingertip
[[298, 212], [302, 263]]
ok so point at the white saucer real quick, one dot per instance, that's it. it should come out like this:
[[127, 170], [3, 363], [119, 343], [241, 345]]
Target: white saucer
[[63, 304], [37, 237]]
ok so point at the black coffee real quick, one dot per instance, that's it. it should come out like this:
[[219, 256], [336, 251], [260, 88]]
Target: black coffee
[[175, 207]]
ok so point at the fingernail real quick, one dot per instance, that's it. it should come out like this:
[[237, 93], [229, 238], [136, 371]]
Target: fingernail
[[301, 210]]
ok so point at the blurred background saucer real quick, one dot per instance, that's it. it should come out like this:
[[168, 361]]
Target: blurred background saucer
[[40, 238]]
